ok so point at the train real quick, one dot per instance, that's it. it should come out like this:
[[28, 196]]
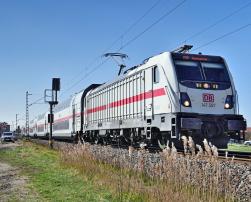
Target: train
[[167, 96]]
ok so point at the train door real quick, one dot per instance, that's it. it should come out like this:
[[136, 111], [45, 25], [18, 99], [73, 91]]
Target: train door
[[148, 95], [45, 125], [73, 116]]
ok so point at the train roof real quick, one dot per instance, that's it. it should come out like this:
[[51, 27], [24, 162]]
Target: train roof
[[41, 116], [63, 105], [157, 59], [132, 70]]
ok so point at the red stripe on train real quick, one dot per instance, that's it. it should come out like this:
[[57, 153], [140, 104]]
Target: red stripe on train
[[136, 98]]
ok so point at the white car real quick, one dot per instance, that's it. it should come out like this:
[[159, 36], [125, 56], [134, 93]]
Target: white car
[[8, 136], [247, 143]]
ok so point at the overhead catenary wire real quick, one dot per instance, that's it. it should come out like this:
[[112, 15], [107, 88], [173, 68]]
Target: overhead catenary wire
[[134, 24], [169, 12], [205, 29], [153, 24], [223, 36], [96, 68], [36, 101], [157, 21], [85, 76], [149, 27]]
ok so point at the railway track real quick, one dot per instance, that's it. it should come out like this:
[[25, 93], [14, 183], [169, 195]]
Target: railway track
[[230, 154], [236, 156], [242, 157]]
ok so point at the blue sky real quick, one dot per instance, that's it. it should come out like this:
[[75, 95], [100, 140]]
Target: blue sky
[[58, 38]]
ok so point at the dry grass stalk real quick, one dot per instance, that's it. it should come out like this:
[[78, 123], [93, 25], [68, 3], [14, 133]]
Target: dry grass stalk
[[185, 143], [173, 152], [232, 160], [130, 151], [200, 152], [207, 147], [167, 150], [196, 179], [215, 151], [191, 145]]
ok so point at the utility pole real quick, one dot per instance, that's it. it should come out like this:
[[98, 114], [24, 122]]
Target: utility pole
[[27, 129], [16, 121]]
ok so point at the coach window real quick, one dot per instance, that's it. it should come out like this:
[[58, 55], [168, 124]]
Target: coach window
[[156, 74]]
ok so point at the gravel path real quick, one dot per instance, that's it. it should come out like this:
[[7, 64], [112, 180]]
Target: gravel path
[[12, 184], [8, 145]]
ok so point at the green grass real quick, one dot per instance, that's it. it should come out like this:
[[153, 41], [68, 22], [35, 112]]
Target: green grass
[[239, 148], [49, 179]]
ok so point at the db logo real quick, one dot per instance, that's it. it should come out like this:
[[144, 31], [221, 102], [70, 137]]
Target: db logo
[[208, 97]]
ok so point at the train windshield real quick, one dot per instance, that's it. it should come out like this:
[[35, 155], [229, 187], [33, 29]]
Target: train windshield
[[188, 70], [201, 71], [215, 72]]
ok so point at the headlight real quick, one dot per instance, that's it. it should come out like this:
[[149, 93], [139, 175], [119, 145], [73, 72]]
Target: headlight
[[227, 106], [187, 103], [206, 85], [185, 100], [229, 103]]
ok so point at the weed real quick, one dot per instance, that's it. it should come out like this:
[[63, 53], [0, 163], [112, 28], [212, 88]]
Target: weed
[[134, 176]]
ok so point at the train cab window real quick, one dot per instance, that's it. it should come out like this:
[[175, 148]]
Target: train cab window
[[215, 72], [156, 74], [188, 71]]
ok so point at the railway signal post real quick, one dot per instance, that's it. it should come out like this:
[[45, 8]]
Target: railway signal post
[[53, 101]]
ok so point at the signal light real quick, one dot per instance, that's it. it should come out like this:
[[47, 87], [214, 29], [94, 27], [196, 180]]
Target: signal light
[[50, 118], [56, 84]]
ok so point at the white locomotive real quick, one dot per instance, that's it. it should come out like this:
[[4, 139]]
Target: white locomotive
[[167, 96]]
